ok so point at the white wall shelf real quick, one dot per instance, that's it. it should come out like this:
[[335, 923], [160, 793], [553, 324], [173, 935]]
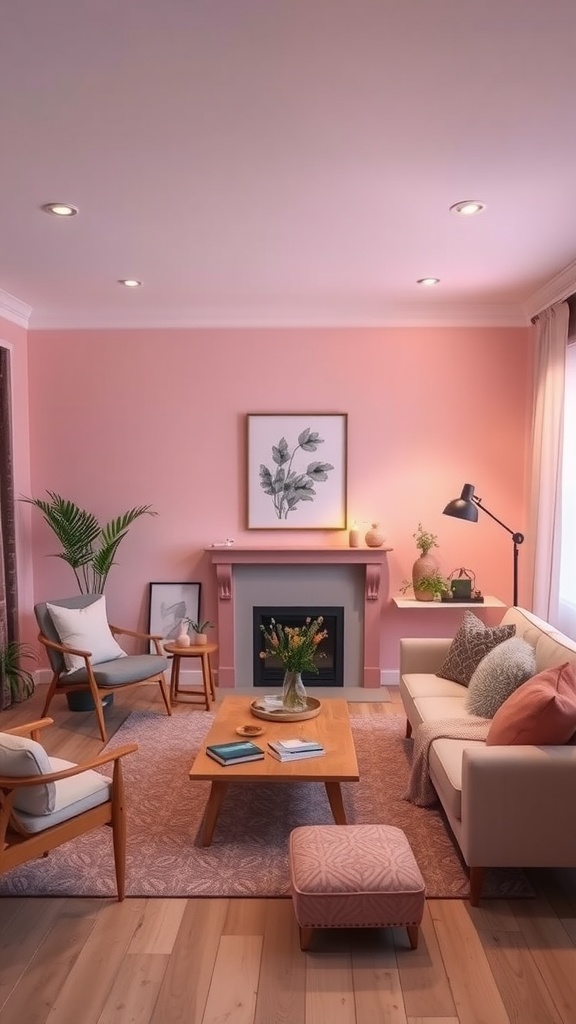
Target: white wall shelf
[[414, 605]]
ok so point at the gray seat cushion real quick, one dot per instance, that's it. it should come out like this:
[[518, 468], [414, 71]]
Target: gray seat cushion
[[133, 668]]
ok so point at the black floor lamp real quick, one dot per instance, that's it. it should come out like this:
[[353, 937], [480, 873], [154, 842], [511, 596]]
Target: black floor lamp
[[466, 507]]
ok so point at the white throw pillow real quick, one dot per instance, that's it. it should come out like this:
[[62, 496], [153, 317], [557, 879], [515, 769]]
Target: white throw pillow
[[20, 755], [86, 629], [500, 672]]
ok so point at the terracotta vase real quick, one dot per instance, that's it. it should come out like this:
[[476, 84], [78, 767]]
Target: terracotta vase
[[375, 537], [426, 565], [293, 692], [200, 639]]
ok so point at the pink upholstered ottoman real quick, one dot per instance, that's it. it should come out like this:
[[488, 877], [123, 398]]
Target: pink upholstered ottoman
[[354, 876]]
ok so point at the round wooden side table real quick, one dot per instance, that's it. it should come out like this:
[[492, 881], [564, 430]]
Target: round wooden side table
[[202, 651]]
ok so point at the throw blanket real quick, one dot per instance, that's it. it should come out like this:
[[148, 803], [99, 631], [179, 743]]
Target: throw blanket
[[420, 789]]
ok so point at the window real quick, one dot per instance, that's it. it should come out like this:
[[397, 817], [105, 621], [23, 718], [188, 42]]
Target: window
[[567, 587]]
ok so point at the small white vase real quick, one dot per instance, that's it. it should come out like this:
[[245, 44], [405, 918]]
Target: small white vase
[[183, 640]]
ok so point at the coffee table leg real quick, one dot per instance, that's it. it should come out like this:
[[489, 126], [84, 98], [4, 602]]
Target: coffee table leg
[[335, 797], [217, 793]]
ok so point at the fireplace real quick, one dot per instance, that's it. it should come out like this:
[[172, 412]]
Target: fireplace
[[270, 671], [356, 578]]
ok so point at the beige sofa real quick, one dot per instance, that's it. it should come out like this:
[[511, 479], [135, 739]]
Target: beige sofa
[[507, 806]]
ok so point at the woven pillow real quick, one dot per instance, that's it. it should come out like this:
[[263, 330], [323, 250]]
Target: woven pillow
[[542, 711], [471, 643], [500, 672], [20, 755]]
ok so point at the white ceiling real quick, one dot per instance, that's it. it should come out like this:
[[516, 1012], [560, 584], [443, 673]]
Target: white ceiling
[[260, 162]]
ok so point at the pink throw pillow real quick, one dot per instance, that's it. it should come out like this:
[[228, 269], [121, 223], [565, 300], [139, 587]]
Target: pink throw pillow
[[541, 711]]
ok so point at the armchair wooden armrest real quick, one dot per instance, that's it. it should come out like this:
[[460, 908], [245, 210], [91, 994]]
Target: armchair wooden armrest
[[120, 631], [63, 648], [30, 729], [16, 781]]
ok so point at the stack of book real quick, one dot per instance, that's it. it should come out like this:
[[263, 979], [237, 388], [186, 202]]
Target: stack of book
[[235, 753], [295, 749]]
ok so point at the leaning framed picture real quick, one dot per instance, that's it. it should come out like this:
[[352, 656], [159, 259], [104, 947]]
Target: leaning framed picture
[[296, 471], [169, 604]]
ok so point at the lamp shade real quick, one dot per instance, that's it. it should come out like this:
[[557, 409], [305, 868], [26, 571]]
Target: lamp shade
[[463, 507]]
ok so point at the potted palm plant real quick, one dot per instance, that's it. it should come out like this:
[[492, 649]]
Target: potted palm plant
[[89, 549], [16, 683]]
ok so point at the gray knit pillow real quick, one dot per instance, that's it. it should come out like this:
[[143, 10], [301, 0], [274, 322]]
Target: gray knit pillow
[[499, 673], [471, 643]]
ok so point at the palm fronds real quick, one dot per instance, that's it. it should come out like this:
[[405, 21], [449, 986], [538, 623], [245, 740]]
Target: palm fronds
[[88, 548]]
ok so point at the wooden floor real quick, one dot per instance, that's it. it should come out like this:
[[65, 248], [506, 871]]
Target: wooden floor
[[207, 961]]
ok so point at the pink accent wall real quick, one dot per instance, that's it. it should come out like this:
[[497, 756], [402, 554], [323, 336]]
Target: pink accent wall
[[126, 417]]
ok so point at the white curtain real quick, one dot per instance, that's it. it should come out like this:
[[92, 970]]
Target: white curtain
[[547, 443], [567, 584]]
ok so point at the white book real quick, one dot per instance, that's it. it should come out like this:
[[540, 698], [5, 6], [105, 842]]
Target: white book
[[294, 746], [301, 755]]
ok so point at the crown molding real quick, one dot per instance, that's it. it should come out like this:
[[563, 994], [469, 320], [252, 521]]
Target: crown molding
[[556, 290], [14, 309], [432, 315]]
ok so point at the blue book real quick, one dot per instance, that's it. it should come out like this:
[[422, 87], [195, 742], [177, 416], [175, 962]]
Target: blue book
[[235, 753]]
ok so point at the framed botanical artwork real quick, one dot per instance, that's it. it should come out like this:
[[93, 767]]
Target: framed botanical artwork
[[169, 604], [296, 471]]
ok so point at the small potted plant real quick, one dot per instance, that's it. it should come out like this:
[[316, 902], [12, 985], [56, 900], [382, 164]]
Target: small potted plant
[[199, 635], [428, 588], [17, 683]]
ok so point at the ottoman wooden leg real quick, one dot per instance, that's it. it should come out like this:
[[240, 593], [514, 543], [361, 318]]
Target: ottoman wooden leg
[[305, 938], [412, 930]]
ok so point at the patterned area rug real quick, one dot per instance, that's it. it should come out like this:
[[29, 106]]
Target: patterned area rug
[[248, 855]]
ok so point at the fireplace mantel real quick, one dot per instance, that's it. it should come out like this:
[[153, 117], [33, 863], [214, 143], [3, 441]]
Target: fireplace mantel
[[225, 559]]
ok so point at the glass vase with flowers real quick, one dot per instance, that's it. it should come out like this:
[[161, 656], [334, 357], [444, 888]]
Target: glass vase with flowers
[[296, 648]]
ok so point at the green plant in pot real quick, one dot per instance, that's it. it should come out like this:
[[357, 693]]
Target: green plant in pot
[[426, 566], [89, 549], [427, 588], [17, 683], [199, 635]]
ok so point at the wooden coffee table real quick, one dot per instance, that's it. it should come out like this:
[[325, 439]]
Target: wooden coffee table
[[331, 728]]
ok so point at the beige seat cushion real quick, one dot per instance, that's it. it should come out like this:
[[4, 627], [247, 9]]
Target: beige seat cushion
[[72, 796]]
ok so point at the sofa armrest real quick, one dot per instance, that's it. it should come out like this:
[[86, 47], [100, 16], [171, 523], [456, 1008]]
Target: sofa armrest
[[516, 806], [423, 654]]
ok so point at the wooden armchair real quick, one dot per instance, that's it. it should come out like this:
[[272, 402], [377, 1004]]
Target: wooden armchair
[[84, 654], [45, 801]]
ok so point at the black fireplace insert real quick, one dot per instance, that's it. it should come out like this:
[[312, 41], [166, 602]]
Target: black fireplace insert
[[269, 671]]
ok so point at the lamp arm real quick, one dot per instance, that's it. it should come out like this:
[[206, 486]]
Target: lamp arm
[[518, 538]]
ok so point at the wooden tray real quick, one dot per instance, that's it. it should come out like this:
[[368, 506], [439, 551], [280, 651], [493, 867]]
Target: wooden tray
[[281, 715]]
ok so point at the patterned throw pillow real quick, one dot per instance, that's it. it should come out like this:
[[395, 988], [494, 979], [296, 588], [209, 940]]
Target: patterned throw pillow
[[471, 643], [499, 673]]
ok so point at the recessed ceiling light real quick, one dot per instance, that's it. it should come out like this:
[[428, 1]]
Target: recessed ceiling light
[[429, 281], [60, 209], [468, 207], [130, 282]]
